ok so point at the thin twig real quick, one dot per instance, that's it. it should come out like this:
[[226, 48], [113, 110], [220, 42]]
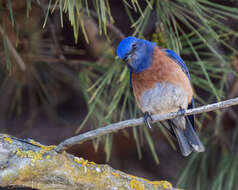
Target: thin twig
[[135, 122], [110, 26], [13, 51], [58, 49], [52, 30]]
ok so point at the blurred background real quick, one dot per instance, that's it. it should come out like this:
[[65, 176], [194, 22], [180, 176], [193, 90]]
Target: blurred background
[[59, 76]]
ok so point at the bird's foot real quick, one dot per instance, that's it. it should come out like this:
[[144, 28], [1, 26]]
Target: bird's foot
[[146, 117], [181, 111]]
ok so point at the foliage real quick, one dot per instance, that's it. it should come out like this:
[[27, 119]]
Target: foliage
[[206, 63], [196, 29], [216, 168]]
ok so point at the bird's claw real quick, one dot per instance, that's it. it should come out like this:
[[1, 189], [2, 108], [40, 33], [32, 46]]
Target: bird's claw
[[181, 111], [146, 117]]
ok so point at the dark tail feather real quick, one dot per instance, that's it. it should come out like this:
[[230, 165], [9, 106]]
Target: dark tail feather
[[187, 138], [184, 146], [192, 137]]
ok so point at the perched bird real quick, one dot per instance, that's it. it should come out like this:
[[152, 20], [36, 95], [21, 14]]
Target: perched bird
[[161, 84]]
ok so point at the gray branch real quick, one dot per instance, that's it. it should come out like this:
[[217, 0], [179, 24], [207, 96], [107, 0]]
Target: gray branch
[[27, 163], [135, 122]]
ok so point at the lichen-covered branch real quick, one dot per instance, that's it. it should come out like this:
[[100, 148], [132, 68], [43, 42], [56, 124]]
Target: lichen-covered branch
[[135, 122], [30, 164]]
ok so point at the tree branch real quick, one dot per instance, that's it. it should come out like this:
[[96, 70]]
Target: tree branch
[[135, 122], [30, 164], [13, 51]]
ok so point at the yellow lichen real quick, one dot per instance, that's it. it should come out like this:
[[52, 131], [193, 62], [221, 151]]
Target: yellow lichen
[[6, 177], [85, 162], [137, 185], [34, 170], [89, 173], [82, 161], [46, 148], [35, 156], [19, 153], [164, 184], [115, 174], [8, 139], [156, 184], [47, 157], [78, 160], [131, 176], [93, 163]]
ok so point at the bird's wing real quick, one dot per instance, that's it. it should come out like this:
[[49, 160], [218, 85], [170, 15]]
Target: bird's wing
[[130, 79], [178, 60], [191, 117], [182, 65]]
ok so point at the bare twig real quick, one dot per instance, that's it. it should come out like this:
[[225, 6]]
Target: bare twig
[[110, 26], [13, 51], [52, 30], [58, 49], [135, 122]]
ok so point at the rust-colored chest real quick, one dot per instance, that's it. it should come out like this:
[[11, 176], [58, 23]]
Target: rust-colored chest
[[162, 70]]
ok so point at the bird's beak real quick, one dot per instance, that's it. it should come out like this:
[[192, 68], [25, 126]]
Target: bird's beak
[[125, 59]]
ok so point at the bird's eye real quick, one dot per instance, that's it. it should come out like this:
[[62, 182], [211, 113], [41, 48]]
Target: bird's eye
[[133, 47]]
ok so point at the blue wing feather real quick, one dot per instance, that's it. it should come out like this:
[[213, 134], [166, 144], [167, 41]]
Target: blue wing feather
[[130, 79], [178, 60], [191, 117]]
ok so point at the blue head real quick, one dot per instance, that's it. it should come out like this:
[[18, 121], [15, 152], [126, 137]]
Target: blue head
[[137, 53]]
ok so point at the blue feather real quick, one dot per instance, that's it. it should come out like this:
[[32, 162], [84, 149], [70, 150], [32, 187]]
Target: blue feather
[[130, 79], [136, 52], [178, 60], [125, 46]]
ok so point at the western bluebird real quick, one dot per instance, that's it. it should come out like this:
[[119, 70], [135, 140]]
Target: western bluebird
[[161, 84]]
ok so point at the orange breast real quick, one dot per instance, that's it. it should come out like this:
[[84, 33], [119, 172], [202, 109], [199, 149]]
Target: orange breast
[[162, 70]]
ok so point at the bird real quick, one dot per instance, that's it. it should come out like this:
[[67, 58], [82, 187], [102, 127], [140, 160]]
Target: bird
[[161, 84]]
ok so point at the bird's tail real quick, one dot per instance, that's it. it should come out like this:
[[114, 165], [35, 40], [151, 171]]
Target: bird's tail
[[187, 138]]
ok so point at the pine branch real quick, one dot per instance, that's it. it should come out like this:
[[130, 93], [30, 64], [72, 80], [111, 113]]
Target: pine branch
[[30, 164], [13, 51], [135, 122]]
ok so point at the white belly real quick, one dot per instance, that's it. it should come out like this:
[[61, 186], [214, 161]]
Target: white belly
[[164, 98]]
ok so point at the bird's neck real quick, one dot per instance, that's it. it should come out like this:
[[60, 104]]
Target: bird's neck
[[145, 61]]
